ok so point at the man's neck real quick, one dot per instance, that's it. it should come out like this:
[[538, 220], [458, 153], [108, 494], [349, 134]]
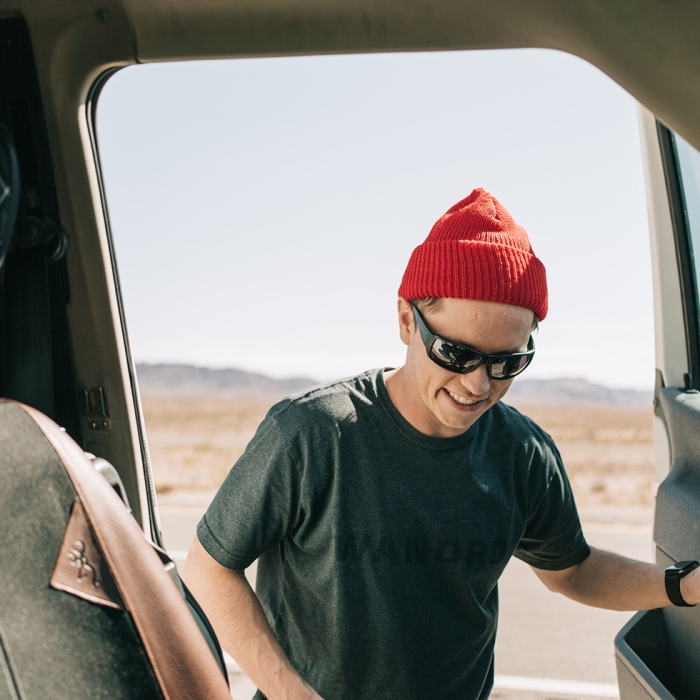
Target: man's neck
[[412, 408]]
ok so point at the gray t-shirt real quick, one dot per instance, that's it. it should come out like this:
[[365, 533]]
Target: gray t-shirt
[[380, 547]]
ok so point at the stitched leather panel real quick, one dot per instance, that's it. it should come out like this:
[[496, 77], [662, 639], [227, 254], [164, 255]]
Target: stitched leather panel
[[80, 567], [181, 659]]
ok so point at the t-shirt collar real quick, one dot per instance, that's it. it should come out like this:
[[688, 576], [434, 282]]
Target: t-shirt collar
[[408, 431]]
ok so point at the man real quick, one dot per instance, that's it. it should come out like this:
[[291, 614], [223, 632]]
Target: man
[[383, 508]]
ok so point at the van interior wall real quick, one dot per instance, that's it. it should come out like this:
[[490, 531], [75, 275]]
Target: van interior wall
[[37, 366]]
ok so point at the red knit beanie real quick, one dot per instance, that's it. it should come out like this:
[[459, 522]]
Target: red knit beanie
[[476, 251]]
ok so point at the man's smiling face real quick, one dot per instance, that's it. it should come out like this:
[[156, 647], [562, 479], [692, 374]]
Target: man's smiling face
[[439, 402]]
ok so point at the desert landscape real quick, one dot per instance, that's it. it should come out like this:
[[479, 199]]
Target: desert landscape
[[194, 442], [196, 433], [607, 452]]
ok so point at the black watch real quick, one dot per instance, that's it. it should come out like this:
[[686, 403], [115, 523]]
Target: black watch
[[674, 574]]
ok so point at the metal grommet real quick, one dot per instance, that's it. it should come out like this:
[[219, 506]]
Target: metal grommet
[[61, 246]]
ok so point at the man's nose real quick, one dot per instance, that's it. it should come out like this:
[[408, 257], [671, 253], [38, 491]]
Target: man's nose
[[477, 383]]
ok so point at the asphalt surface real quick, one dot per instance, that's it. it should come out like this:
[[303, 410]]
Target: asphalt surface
[[547, 646]]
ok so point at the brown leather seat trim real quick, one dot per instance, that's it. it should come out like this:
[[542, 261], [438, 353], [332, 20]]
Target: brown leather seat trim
[[181, 659], [80, 568]]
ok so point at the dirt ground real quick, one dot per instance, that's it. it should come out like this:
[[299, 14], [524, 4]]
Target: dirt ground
[[193, 443], [607, 452]]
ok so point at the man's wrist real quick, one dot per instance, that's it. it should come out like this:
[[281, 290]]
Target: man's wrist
[[682, 583], [304, 692], [294, 687]]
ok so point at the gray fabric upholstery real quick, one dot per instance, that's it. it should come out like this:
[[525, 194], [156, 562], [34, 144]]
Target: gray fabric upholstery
[[61, 646]]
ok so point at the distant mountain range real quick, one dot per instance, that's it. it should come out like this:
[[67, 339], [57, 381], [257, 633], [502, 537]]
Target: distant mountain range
[[201, 382], [574, 392], [181, 381]]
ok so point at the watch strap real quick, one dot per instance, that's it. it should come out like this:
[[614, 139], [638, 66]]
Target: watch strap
[[672, 579]]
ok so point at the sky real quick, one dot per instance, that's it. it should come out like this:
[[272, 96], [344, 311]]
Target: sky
[[263, 210]]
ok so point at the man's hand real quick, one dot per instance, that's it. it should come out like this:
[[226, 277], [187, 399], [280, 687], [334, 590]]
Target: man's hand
[[242, 628], [607, 580]]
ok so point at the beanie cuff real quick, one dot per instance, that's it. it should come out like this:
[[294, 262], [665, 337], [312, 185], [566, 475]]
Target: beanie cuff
[[455, 269]]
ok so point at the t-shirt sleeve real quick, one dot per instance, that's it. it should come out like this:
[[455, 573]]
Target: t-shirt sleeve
[[258, 503], [553, 539]]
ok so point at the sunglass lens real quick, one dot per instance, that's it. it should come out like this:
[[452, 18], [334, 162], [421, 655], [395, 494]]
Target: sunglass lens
[[455, 356], [508, 367]]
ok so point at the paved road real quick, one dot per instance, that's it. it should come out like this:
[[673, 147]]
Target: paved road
[[541, 635]]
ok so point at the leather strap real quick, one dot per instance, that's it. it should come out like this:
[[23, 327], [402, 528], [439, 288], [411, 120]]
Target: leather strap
[[181, 659]]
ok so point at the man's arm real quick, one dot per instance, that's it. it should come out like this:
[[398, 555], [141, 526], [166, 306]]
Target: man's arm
[[607, 580], [241, 626]]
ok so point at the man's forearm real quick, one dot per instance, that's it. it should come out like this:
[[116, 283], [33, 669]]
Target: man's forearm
[[607, 580], [242, 627]]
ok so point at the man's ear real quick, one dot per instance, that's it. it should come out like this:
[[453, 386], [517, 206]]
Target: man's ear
[[406, 320]]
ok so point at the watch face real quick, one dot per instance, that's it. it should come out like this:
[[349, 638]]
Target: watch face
[[684, 567]]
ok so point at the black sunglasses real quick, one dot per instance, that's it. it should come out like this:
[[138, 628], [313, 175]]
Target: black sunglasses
[[462, 359]]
